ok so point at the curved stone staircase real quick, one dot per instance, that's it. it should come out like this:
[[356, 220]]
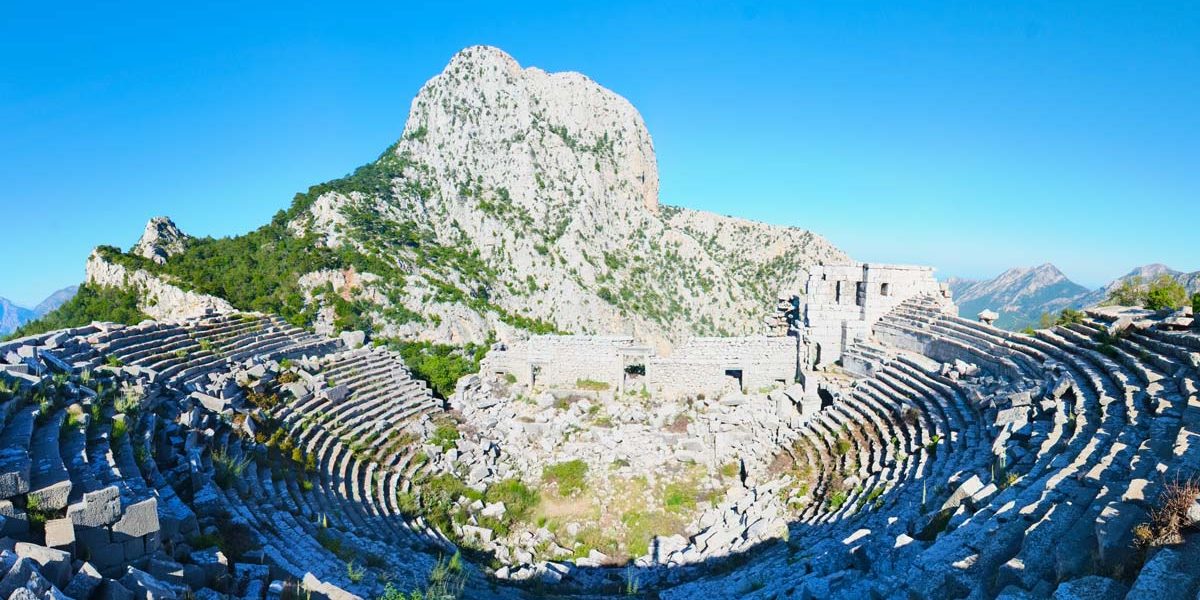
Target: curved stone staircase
[[1048, 455], [238, 455]]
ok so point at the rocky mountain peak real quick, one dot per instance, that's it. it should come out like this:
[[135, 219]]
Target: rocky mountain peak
[[1019, 294], [542, 137], [515, 201], [1151, 271], [160, 240]]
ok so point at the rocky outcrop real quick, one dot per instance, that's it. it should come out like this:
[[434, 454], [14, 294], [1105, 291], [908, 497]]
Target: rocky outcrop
[[550, 181], [160, 240], [159, 299]]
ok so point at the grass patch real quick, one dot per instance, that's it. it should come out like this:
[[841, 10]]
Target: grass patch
[[591, 385], [226, 467], [642, 527], [680, 496], [445, 434], [569, 477], [519, 499]]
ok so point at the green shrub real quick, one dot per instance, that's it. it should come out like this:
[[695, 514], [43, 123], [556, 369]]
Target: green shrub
[[119, 429], [440, 365], [1130, 292], [445, 434], [354, 572], [437, 497], [227, 468], [569, 477], [837, 499], [1166, 293], [519, 499], [1068, 316], [679, 496], [1196, 304], [90, 303], [591, 385]]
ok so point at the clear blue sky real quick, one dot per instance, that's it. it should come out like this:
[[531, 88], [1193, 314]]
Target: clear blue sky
[[972, 137]]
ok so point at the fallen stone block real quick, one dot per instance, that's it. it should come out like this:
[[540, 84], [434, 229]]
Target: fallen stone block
[[1092, 587], [967, 489], [60, 533], [1166, 576], [145, 586], [54, 565], [139, 519], [85, 582], [1114, 533]]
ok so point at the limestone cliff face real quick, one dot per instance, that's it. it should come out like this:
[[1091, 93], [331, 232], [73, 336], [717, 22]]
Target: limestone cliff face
[[486, 116], [547, 183], [159, 299]]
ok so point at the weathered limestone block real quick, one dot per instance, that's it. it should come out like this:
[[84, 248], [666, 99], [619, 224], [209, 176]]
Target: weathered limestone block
[[54, 565], [99, 508], [966, 490], [212, 561], [113, 590], [84, 583], [353, 339], [1092, 587], [212, 403], [139, 519], [1165, 576], [19, 573], [15, 462], [60, 533], [337, 393], [325, 591], [145, 586], [1114, 533]]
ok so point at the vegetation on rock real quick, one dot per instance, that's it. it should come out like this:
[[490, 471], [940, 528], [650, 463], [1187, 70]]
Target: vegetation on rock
[[1165, 292], [90, 303], [569, 477], [439, 365]]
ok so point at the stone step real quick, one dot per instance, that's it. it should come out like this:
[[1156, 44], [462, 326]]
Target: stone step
[[15, 461], [50, 483]]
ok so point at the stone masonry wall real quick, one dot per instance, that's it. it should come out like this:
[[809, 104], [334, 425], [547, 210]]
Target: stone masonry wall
[[561, 360], [844, 301], [703, 365]]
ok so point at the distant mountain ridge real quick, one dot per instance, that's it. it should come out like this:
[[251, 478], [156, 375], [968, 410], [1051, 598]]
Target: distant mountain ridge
[[13, 316], [1022, 295]]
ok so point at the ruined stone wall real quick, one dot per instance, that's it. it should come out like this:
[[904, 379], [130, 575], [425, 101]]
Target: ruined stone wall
[[561, 360], [704, 365], [843, 302], [701, 365]]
